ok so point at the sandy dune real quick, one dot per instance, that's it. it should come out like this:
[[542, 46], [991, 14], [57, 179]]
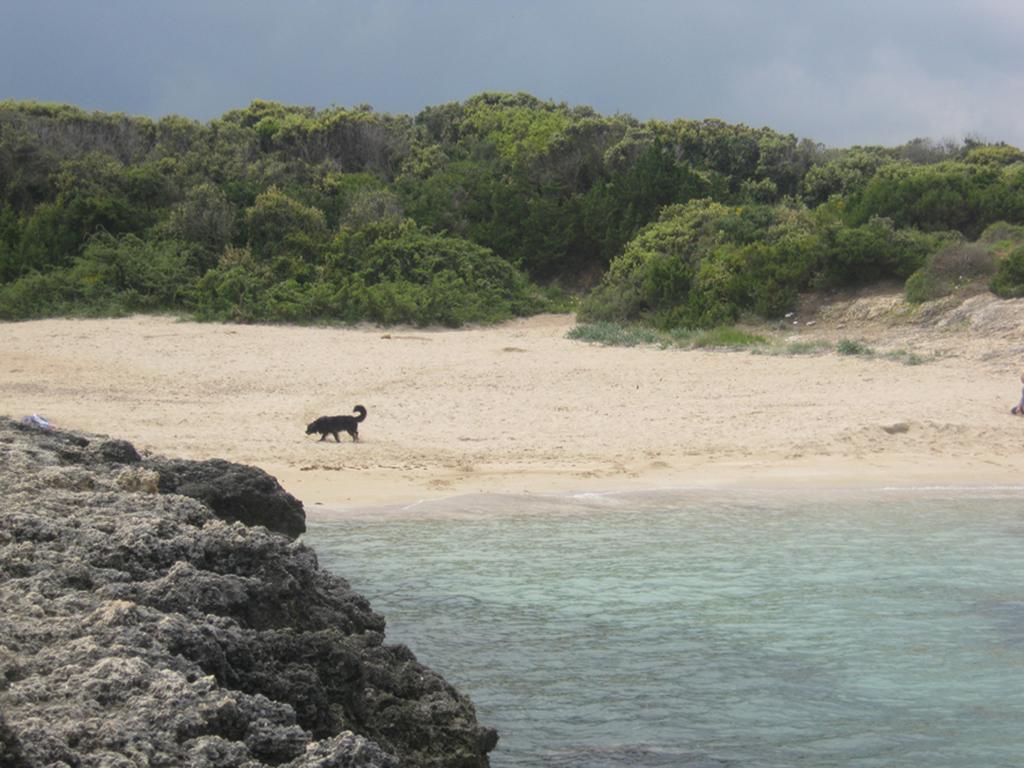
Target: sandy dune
[[520, 408]]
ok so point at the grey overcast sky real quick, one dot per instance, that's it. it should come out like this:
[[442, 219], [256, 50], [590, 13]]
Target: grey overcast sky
[[842, 73]]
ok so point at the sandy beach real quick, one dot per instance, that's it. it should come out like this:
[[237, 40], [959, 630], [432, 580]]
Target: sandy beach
[[519, 408]]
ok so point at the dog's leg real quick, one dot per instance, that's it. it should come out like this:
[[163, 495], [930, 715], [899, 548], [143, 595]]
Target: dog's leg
[[336, 438], [323, 437]]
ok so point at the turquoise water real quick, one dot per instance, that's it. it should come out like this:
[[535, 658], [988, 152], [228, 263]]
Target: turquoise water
[[685, 629]]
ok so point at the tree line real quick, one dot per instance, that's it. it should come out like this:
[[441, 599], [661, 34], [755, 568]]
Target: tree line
[[476, 211]]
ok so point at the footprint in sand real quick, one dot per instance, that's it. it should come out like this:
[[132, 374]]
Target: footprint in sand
[[896, 429]]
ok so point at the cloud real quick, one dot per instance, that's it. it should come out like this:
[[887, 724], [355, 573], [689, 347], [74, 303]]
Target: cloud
[[888, 101], [841, 73]]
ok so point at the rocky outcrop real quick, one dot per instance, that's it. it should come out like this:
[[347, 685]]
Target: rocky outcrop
[[152, 613], [233, 492]]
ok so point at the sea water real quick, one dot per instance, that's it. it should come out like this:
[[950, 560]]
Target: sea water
[[687, 628]]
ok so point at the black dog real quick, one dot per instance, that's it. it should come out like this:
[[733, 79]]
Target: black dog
[[332, 425]]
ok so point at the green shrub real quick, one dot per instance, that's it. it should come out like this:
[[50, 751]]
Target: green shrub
[[1008, 281], [135, 273], [431, 278], [287, 302], [1002, 233], [389, 273], [10, 235], [280, 225], [205, 217], [877, 251], [114, 275], [656, 270], [966, 197], [950, 268], [611, 302], [702, 264], [963, 261], [693, 223], [34, 295], [852, 347], [925, 286], [229, 293]]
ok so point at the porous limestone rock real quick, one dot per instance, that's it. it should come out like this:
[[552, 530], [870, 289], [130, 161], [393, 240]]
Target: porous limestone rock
[[141, 626]]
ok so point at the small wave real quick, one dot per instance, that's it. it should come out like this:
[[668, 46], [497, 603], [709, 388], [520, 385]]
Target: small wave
[[631, 756], [980, 489], [593, 496]]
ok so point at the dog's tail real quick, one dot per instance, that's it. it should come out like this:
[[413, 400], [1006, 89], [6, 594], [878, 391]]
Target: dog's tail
[[361, 411]]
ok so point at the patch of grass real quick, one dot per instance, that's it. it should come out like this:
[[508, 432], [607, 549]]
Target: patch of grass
[[727, 336], [853, 347], [906, 357], [615, 334], [815, 347], [618, 335], [793, 348], [859, 348]]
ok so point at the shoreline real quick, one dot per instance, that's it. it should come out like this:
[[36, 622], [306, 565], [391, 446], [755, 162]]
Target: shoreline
[[519, 408], [815, 475], [485, 502]]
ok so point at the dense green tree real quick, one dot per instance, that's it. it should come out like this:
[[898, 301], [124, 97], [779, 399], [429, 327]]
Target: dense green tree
[[952, 267], [95, 193], [844, 174], [877, 250], [279, 226], [1008, 281], [705, 263], [353, 198], [388, 272], [205, 218], [457, 197], [993, 154], [127, 272], [26, 167], [10, 236], [286, 213], [948, 195]]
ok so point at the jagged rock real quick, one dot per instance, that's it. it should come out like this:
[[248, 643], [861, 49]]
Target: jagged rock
[[118, 452], [137, 627], [233, 492], [344, 751], [11, 755]]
